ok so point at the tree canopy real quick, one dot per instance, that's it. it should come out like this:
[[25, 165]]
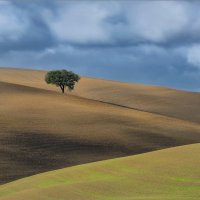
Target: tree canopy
[[62, 79]]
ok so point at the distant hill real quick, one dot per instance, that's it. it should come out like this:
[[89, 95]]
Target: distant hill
[[42, 130], [166, 174], [165, 101]]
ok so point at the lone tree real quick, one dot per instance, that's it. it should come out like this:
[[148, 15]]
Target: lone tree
[[62, 79]]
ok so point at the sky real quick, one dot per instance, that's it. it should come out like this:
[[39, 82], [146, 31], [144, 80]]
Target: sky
[[151, 42]]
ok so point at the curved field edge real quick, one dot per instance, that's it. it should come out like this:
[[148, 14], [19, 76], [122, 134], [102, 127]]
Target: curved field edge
[[155, 99], [172, 173], [42, 130], [38, 134]]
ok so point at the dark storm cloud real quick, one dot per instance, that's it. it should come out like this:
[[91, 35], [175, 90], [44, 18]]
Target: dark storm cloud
[[154, 42], [22, 27]]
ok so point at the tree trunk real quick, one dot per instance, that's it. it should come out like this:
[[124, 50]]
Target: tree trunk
[[63, 90], [62, 87]]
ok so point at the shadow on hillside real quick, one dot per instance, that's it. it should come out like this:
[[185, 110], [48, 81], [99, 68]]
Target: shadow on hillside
[[25, 154]]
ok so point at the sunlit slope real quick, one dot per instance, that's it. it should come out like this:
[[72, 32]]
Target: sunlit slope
[[179, 104], [162, 175], [41, 130]]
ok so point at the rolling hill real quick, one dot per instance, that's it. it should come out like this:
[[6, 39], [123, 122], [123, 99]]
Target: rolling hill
[[154, 99], [172, 173], [42, 130]]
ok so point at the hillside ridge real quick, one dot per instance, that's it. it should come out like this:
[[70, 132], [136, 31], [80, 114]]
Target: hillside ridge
[[42, 129], [146, 176], [154, 99], [87, 99]]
